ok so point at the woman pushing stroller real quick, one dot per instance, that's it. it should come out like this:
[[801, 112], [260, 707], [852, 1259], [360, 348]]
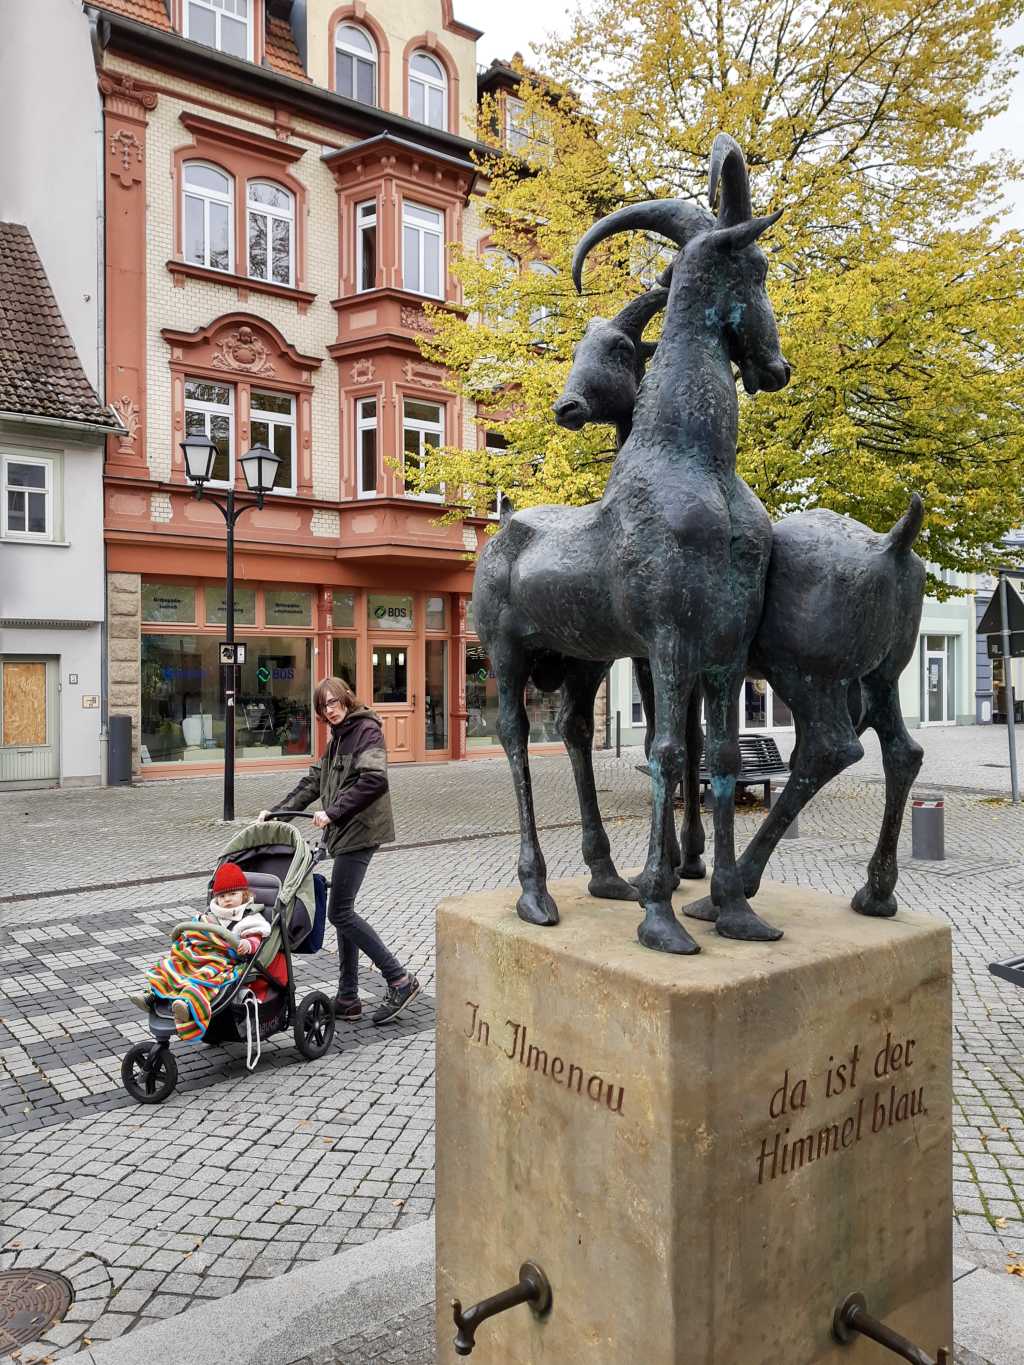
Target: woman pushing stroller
[[351, 784]]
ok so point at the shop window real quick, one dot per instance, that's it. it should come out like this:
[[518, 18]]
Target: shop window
[[366, 245], [183, 706], [636, 701], [428, 91], [23, 704], [271, 233], [763, 708], [208, 215], [366, 447], [387, 611], [437, 613], [28, 497], [272, 424], [288, 607], [422, 249], [344, 660], [355, 64], [343, 611], [223, 24], [422, 429], [435, 717], [210, 411], [217, 606], [482, 704], [390, 675], [169, 603]]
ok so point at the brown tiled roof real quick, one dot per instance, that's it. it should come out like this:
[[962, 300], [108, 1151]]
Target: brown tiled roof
[[40, 373], [282, 54]]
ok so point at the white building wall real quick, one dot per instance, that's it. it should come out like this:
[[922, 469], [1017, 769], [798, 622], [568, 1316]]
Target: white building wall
[[49, 156]]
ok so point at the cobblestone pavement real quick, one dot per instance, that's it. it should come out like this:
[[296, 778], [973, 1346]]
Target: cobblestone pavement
[[238, 1177]]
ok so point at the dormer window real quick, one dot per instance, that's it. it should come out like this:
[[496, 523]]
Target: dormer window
[[223, 24], [428, 91], [355, 64]]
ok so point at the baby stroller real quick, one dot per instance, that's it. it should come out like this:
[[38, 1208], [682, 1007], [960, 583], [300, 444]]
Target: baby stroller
[[260, 1001]]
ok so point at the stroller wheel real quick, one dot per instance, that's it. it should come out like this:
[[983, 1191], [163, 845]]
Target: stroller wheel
[[314, 1025], [149, 1073]]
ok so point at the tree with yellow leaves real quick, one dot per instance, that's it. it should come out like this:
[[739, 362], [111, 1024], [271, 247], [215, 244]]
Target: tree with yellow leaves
[[898, 297]]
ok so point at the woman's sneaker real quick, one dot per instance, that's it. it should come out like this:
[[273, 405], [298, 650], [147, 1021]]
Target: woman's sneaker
[[347, 1009], [395, 1002]]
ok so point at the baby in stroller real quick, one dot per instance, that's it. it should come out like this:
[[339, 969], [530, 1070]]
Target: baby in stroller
[[202, 960]]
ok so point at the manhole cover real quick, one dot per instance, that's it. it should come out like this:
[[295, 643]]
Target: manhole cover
[[31, 1301]]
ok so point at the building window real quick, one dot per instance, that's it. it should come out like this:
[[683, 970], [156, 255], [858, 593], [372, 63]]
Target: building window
[[208, 216], [223, 24], [543, 310], [422, 249], [271, 233], [210, 411], [496, 444], [28, 498], [272, 424], [501, 311], [517, 135], [366, 446], [355, 64], [422, 429], [366, 245], [428, 91]]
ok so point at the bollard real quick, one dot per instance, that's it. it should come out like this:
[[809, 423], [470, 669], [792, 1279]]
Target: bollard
[[928, 828], [618, 734], [792, 830]]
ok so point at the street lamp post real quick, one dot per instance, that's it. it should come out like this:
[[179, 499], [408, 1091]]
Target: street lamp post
[[260, 466]]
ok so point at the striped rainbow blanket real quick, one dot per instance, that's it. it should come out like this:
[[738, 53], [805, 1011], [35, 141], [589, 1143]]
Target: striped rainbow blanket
[[200, 964]]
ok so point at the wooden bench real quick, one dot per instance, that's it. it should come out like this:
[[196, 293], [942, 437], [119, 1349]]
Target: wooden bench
[[760, 761]]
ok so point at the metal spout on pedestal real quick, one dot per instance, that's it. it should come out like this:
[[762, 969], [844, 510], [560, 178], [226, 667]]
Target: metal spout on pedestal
[[852, 1316], [533, 1288]]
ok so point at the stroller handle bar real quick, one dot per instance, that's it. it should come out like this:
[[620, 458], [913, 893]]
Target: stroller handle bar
[[301, 814]]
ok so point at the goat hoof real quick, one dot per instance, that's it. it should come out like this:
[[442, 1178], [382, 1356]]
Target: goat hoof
[[537, 907], [662, 932], [705, 909], [609, 886], [741, 923], [693, 869], [865, 902]]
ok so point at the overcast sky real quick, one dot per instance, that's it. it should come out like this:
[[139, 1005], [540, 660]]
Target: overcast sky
[[513, 29]]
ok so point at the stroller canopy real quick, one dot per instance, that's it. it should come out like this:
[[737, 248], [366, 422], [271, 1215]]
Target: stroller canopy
[[298, 880]]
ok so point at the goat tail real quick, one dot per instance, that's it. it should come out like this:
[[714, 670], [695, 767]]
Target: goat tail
[[907, 529]]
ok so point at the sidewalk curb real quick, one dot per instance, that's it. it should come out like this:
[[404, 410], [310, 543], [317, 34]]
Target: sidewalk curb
[[988, 1315], [293, 1315]]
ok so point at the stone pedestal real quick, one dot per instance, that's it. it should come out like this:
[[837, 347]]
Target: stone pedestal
[[704, 1154]]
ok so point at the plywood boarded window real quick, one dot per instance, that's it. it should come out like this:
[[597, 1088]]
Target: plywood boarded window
[[24, 704]]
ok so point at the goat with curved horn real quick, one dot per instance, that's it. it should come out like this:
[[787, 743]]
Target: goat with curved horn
[[677, 219], [728, 173]]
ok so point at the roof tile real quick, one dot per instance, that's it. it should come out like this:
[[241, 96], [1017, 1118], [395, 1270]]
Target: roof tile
[[40, 372], [282, 54]]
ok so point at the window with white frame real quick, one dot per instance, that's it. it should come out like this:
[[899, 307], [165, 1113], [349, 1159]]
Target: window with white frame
[[272, 424], [366, 245], [28, 497], [422, 249], [505, 268], [422, 429], [271, 232], [496, 444], [223, 24], [543, 309], [210, 411], [428, 90], [366, 447], [208, 216], [355, 64], [517, 135]]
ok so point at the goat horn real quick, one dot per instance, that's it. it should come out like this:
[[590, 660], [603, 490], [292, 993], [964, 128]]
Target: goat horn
[[677, 219], [637, 313], [729, 167]]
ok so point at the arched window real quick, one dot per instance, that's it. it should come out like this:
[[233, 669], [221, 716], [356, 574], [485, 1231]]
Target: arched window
[[271, 233], [428, 91], [208, 214], [501, 309], [355, 64], [544, 307]]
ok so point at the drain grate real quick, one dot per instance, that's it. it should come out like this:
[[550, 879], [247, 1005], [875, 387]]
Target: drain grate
[[31, 1301]]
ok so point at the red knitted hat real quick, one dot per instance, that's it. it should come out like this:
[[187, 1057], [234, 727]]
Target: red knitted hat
[[229, 877]]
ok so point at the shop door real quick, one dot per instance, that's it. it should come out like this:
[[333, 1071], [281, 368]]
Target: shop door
[[29, 742], [394, 675], [937, 689]]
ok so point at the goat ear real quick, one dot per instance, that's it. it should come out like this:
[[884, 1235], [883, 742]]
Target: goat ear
[[729, 169], [734, 238]]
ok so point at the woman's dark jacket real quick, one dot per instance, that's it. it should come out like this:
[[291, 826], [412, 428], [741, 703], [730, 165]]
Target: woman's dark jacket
[[351, 784]]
